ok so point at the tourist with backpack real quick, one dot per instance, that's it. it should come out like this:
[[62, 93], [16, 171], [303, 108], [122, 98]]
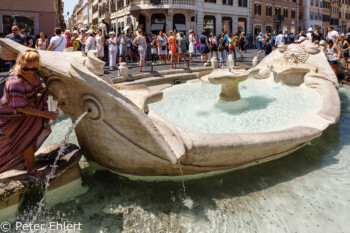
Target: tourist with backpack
[[222, 47]]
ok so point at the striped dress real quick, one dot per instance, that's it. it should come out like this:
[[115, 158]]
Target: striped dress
[[19, 130]]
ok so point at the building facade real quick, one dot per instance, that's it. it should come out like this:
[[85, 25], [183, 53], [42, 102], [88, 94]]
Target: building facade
[[35, 15], [215, 16], [274, 16], [335, 14], [312, 14]]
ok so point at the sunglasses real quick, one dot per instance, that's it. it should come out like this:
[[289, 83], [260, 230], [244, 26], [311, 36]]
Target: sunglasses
[[30, 69]]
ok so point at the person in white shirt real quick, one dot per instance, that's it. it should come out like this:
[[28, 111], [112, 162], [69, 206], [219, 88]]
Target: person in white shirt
[[58, 42], [279, 39], [333, 35], [309, 34], [90, 43]]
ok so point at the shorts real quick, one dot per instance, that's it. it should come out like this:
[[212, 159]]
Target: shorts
[[346, 54], [333, 62], [123, 52]]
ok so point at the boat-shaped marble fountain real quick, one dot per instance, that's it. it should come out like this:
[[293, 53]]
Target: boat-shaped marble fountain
[[125, 133]]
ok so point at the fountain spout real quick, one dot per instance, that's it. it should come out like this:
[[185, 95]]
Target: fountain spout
[[229, 82]]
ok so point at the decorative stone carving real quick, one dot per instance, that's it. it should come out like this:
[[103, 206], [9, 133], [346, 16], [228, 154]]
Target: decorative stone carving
[[120, 133], [295, 53], [229, 82]]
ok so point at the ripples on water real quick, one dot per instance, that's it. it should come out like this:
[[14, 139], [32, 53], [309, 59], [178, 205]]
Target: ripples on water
[[306, 191]]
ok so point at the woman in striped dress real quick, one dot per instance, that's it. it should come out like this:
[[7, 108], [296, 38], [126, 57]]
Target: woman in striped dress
[[24, 114], [142, 47]]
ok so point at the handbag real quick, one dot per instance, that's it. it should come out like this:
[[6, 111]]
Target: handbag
[[232, 47]]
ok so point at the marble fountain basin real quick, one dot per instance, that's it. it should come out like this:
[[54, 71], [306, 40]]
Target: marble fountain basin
[[124, 134]]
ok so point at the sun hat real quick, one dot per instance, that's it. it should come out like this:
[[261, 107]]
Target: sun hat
[[310, 29], [111, 33], [75, 32], [322, 42], [82, 29], [67, 31], [90, 32]]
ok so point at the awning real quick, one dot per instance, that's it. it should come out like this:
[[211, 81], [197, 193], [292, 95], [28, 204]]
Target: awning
[[126, 28], [157, 27], [181, 27], [139, 26]]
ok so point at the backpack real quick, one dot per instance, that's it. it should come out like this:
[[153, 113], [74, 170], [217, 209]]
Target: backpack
[[221, 46]]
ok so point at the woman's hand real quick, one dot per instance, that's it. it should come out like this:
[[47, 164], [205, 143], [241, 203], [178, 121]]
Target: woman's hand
[[52, 115]]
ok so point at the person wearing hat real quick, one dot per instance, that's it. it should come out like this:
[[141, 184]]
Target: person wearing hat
[[76, 40], [322, 45], [90, 43], [58, 42], [213, 42], [123, 50], [67, 35], [317, 35], [309, 33], [112, 50]]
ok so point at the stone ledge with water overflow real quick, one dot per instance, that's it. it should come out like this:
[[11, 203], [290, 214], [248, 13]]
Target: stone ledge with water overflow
[[218, 123]]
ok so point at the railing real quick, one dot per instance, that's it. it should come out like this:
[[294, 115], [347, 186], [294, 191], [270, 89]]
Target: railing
[[162, 2]]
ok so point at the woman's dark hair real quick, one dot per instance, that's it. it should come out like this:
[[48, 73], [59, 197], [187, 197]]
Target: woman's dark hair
[[99, 30], [204, 32], [181, 34], [58, 31], [330, 43]]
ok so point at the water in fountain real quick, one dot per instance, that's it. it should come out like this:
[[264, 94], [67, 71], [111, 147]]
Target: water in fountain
[[60, 153], [264, 106], [306, 191], [187, 201]]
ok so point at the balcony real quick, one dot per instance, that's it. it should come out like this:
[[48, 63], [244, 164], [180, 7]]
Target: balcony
[[152, 4], [278, 18]]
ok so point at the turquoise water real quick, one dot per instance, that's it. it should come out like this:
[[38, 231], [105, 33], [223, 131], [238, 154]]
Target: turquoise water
[[306, 191], [264, 106]]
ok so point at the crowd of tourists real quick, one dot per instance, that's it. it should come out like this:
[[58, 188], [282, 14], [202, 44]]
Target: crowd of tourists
[[334, 45], [173, 47]]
